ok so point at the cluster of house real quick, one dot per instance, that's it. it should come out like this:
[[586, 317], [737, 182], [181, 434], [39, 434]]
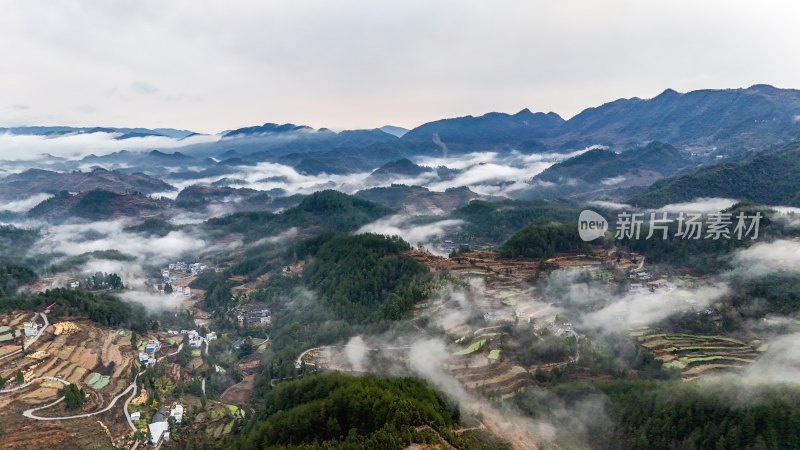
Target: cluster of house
[[254, 317], [148, 356], [448, 245], [176, 290], [159, 423], [643, 280], [193, 338], [193, 269], [558, 327]]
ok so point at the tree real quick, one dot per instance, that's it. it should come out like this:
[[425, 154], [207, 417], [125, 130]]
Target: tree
[[184, 356], [19, 377], [246, 348], [2, 382], [168, 288], [74, 396]]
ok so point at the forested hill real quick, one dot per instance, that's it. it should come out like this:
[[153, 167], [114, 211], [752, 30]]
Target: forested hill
[[652, 415], [500, 219], [323, 210], [335, 411], [770, 178], [105, 309], [543, 239], [599, 164], [364, 278]]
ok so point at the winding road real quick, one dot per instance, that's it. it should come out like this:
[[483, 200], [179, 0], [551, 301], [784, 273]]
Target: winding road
[[30, 413]]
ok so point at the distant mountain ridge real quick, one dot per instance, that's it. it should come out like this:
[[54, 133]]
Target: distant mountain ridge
[[125, 133], [726, 119]]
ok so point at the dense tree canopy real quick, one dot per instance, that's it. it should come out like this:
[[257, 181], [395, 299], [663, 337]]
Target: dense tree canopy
[[543, 239], [333, 409]]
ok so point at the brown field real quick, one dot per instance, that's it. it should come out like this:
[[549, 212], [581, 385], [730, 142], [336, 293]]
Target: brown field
[[239, 393], [74, 358]]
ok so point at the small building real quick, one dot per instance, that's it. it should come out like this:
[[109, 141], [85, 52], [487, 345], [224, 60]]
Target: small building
[[31, 328], [144, 358], [194, 339], [157, 430], [136, 416], [152, 346], [177, 413], [211, 336]]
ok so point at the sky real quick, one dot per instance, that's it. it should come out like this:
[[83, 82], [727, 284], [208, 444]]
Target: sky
[[211, 66]]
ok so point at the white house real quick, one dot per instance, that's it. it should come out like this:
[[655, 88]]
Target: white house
[[31, 328], [157, 430], [177, 413], [194, 339], [211, 336], [136, 416]]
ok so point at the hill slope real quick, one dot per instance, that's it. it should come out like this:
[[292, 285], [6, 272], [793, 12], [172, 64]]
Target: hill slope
[[770, 178]]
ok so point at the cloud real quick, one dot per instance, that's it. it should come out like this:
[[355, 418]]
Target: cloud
[[700, 205], [133, 275], [639, 308], [76, 239], [280, 238], [789, 216], [766, 257], [26, 204], [612, 181], [779, 364], [143, 87], [153, 302], [356, 352], [401, 225], [610, 205], [490, 173], [17, 147]]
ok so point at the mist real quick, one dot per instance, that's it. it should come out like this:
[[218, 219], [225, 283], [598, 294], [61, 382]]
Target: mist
[[422, 234], [20, 147]]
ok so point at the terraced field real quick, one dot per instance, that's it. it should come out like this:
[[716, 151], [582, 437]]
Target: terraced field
[[500, 378], [698, 355]]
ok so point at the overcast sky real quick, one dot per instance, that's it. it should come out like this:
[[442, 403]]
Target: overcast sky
[[209, 66]]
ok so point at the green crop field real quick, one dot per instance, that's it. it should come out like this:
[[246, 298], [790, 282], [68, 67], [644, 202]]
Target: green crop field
[[472, 348]]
